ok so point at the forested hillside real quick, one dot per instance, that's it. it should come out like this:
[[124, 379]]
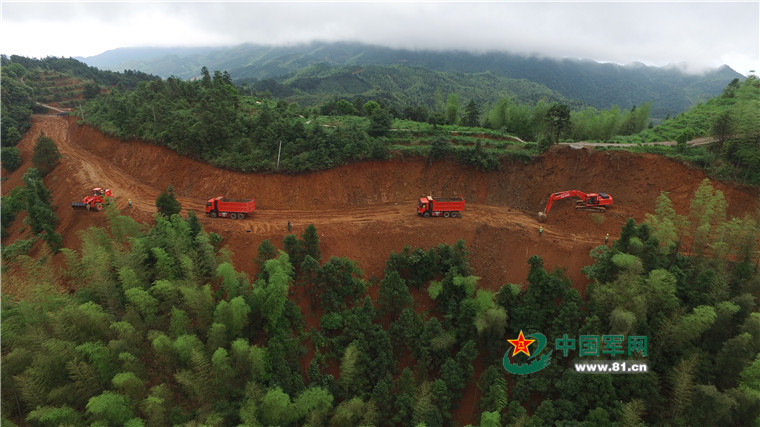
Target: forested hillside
[[599, 85], [399, 86], [733, 123], [249, 128], [160, 322], [28, 82], [161, 328]]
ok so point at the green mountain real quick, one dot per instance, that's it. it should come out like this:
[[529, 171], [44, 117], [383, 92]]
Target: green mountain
[[599, 85], [401, 86]]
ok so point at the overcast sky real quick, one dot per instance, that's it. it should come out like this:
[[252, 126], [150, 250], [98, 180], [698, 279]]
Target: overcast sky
[[696, 35]]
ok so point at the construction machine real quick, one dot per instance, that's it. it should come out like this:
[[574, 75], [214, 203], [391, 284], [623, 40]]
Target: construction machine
[[95, 201], [591, 202], [445, 207], [230, 208]]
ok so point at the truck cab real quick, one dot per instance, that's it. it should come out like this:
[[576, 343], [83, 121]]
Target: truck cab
[[423, 205], [212, 205]]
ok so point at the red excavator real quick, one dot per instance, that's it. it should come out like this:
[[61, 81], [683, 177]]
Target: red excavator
[[96, 201], [591, 202]]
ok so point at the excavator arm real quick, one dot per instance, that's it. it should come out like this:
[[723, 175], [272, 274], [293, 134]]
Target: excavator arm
[[588, 201], [562, 195]]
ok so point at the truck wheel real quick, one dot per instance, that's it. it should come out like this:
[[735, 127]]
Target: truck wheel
[[426, 214], [241, 215], [447, 214], [98, 207], [233, 215], [213, 214]]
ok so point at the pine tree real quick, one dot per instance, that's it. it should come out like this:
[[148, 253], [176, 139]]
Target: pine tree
[[265, 252], [394, 294], [41, 216], [471, 116], [557, 121], [167, 204], [310, 243], [46, 156]]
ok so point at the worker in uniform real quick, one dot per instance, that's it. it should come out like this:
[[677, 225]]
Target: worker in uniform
[[290, 227], [130, 203], [607, 238], [541, 230]]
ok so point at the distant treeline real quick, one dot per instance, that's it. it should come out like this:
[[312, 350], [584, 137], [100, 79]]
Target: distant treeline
[[248, 128], [208, 119], [70, 66]]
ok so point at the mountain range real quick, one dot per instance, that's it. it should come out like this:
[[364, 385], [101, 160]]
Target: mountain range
[[484, 77]]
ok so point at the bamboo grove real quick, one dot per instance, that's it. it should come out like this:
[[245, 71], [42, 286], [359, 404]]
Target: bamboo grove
[[153, 325]]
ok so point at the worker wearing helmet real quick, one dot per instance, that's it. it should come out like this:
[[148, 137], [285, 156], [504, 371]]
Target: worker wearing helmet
[[130, 203]]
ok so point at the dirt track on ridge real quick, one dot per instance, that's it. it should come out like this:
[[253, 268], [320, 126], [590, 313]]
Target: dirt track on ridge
[[366, 210]]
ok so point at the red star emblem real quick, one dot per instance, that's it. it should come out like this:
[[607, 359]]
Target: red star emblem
[[521, 344]]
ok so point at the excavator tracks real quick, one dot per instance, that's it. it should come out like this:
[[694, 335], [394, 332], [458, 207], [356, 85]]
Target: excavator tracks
[[598, 209]]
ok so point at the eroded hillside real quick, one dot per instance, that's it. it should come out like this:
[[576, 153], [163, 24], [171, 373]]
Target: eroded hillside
[[366, 210]]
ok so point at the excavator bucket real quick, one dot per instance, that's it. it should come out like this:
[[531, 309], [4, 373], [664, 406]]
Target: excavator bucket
[[542, 216]]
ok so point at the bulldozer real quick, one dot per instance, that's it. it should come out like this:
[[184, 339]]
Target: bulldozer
[[590, 202], [95, 201]]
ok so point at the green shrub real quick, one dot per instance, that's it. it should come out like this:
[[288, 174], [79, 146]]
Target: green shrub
[[19, 247], [11, 158], [46, 156]]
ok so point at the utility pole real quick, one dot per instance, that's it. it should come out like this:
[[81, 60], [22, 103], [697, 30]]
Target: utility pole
[[279, 150], [81, 110]]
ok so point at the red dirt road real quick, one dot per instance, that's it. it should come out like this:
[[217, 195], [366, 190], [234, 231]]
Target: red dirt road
[[366, 210]]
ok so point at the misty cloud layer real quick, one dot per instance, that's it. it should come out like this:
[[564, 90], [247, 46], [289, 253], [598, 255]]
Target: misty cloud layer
[[692, 35]]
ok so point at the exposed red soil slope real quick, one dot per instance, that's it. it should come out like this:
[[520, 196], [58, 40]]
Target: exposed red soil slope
[[366, 210]]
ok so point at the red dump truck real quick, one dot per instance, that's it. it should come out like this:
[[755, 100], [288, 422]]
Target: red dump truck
[[445, 207], [229, 208]]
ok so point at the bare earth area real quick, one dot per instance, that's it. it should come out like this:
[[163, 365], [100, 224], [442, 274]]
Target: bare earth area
[[366, 210]]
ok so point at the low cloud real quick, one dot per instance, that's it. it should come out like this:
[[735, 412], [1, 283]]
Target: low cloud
[[699, 35]]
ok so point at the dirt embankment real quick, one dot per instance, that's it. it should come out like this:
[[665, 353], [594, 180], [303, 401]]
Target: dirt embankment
[[366, 210]]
